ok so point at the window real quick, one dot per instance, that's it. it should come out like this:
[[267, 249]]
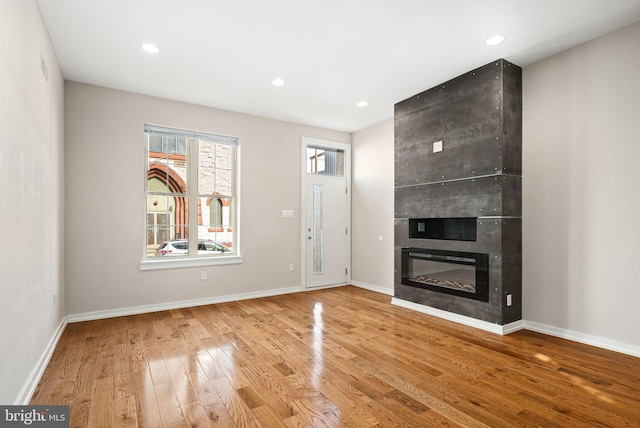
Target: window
[[191, 195], [325, 161]]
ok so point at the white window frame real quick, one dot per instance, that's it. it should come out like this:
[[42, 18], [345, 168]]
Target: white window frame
[[151, 263]]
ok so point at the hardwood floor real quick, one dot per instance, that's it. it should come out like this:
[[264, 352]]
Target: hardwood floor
[[343, 357]]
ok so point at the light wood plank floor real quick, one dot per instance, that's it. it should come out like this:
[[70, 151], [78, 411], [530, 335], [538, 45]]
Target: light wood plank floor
[[343, 357]]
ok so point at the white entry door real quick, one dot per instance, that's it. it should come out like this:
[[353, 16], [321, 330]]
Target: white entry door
[[326, 224]]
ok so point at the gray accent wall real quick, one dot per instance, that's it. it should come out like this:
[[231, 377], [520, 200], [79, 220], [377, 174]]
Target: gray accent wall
[[478, 118]]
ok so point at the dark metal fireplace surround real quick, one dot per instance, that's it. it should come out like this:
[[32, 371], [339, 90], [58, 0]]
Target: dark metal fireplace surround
[[458, 195]]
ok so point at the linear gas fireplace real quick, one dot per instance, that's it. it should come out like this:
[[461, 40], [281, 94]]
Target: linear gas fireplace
[[452, 272]]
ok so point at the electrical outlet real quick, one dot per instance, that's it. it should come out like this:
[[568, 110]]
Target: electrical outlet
[[287, 213], [203, 275], [291, 267], [508, 299], [54, 299]]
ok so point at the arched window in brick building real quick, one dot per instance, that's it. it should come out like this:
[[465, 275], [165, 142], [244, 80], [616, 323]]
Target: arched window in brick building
[[219, 212], [167, 216]]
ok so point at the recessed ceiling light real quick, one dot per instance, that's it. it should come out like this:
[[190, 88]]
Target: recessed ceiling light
[[277, 82], [362, 103], [494, 40], [148, 47]]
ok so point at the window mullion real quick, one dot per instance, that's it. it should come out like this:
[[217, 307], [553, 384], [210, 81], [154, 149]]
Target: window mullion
[[192, 192]]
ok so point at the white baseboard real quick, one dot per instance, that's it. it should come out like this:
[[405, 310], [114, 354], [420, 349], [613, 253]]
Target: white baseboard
[[460, 319], [24, 397], [134, 310], [374, 288], [587, 339]]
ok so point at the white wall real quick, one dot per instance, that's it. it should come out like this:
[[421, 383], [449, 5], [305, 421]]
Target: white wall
[[104, 206], [372, 208], [581, 151], [31, 195]]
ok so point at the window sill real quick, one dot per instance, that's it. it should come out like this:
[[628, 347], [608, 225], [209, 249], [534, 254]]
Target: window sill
[[175, 263]]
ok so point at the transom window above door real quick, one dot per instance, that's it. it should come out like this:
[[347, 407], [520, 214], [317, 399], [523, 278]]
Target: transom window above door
[[324, 161]]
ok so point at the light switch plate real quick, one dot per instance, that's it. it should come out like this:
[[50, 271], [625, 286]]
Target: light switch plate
[[437, 146]]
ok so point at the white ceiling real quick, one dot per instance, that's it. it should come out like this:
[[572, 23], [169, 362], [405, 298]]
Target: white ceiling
[[330, 53]]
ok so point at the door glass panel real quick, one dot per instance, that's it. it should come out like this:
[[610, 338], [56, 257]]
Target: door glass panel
[[318, 244]]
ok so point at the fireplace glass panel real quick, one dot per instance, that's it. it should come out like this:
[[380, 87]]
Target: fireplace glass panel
[[442, 274], [452, 272]]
